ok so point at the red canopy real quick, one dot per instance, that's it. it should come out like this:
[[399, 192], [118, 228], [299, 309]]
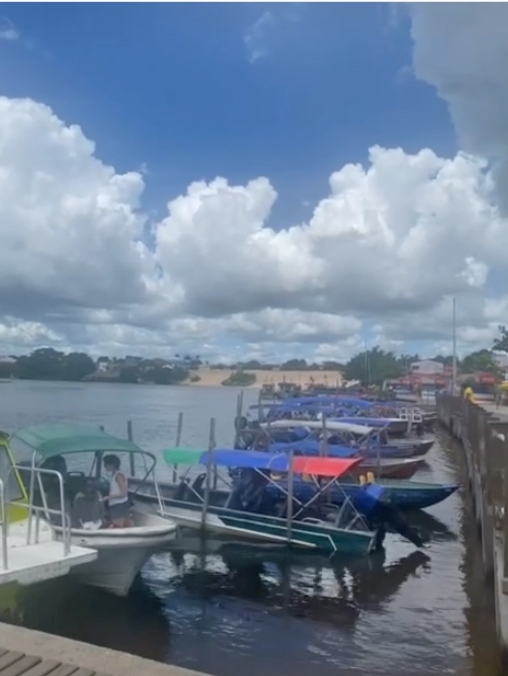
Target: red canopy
[[333, 467]]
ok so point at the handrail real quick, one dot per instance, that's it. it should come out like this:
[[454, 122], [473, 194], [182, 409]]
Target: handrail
[[5, 561], [36, 474]]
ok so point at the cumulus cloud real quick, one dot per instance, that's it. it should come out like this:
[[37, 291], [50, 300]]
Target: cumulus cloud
[[69, 224], [398, 235], [381, 253], [461, 49]]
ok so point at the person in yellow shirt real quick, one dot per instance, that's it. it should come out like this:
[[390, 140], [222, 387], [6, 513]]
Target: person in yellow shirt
[[468, 394]]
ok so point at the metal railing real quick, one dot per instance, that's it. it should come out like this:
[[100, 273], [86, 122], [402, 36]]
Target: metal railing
[[5, 561], [34, 510]]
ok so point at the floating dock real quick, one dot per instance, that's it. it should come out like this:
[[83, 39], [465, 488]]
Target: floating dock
[[55, 656]]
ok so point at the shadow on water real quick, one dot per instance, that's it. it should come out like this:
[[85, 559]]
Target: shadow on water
[[136, 624], [304, 586]]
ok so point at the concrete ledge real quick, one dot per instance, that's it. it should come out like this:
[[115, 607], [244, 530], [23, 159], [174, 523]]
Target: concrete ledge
[[501, 597], [84, 655]]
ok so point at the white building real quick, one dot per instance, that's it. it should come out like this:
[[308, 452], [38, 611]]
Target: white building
[[426, 367]]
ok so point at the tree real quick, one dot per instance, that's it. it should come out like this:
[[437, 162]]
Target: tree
[[42, 364], [481, 360], [373, 367], [240, 379], [332, 366], [166, 376], [76, 365], [501, 342], [294, 365]]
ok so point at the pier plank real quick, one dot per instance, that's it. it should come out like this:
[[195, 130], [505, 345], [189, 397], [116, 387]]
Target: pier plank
[[44, 668], [8, 658], [64, 670], [20, 667]]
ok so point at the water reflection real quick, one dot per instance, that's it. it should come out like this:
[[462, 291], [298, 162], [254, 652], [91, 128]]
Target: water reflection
[[305, 586], [136, 624]]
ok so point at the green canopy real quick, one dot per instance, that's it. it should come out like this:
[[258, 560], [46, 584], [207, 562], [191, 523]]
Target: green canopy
[[182, 456], [51, 440]]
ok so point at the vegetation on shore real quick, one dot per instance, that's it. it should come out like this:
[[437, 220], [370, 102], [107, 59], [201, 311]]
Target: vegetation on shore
[[371, 367], [240, 379]]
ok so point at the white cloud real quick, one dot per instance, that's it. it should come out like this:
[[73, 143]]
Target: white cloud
[[257, 37], [8, 30], [384, 250], [462, 49], [394, 237]]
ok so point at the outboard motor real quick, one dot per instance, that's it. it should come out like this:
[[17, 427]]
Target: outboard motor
[[382, 515]]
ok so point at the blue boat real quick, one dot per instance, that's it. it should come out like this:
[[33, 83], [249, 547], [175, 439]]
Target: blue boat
[[405, 495]]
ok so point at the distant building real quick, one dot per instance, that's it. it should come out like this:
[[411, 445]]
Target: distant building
[[426, 367]]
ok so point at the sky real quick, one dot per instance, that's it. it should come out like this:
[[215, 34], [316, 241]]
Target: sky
[[253, 180]]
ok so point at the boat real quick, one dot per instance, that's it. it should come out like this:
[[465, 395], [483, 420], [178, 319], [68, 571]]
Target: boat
[[406, 495], [121, 552], [284, 521]]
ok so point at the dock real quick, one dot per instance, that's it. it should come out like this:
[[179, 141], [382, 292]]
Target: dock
[[26, 652], [482, 430]]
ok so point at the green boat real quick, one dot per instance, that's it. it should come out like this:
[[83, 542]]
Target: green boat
[[245, 515]]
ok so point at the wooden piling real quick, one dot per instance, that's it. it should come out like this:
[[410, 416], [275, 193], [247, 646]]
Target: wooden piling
[[209, 458]]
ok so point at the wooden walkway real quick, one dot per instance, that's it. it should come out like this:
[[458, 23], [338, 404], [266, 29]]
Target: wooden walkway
[[14, 663], [50, 655]]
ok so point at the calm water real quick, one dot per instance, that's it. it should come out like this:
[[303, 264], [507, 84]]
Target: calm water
[[235, 610]]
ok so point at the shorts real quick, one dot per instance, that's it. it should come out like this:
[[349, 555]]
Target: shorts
[[119, 512]]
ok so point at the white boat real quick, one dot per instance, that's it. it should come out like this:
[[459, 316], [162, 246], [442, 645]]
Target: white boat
[[121, 552]]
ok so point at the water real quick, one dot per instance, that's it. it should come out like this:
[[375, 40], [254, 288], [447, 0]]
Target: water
[[238, 610]]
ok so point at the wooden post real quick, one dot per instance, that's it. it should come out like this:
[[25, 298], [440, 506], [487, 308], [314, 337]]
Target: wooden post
[[206, 501], [132, 463], [323, 450], [505, 517], [290, 496], [239, 409], [178, 441]]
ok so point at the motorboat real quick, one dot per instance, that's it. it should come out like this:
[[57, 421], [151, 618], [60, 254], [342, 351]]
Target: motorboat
[[246, 515], [66, 457]]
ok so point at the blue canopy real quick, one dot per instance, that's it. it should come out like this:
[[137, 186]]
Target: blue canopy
[[229, 457]]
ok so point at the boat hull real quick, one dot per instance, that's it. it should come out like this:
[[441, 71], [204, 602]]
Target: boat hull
[[261, 528], [389, 468], [121, 553], [405, 495]]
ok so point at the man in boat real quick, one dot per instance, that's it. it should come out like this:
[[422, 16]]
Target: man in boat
[[87, 510], [118, 497]]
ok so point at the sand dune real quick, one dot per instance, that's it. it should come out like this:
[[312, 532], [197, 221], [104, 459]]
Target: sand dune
[[214, 377]]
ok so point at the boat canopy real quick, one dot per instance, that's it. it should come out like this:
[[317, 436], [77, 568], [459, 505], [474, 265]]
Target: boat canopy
[[331, 467], [368, 422], [330, 425], [62, 439]]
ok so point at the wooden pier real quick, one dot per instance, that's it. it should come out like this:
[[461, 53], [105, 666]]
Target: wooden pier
[[483, 433], [25, 652]]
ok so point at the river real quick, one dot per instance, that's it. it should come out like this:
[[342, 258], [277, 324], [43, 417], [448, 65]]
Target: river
[[235, 611]]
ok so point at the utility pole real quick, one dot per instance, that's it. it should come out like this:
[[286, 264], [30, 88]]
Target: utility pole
[[454, 343]]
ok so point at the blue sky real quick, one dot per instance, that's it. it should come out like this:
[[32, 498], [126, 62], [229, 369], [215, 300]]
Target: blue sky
[[170, 86], [292, 92]]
